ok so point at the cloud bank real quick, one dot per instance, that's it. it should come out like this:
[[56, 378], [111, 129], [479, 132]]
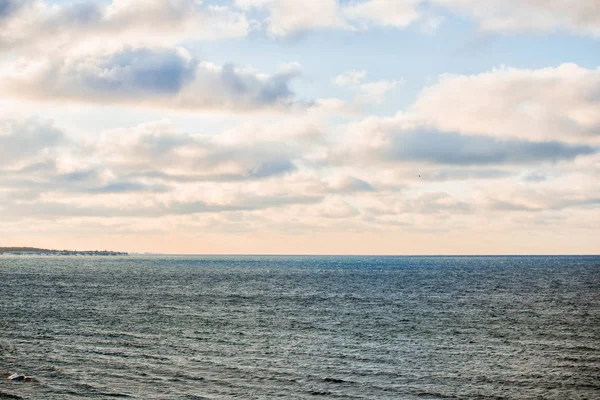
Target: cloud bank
[[170, 78]]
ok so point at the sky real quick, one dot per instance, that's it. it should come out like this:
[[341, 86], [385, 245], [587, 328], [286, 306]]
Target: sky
[[301, 127]]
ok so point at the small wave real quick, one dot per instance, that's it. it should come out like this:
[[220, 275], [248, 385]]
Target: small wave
[[115, 395], [435, 395], [335, 380], [4, 395], [320, 393]]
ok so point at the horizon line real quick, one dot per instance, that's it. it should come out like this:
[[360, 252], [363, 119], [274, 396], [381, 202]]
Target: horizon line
[[364, 255]]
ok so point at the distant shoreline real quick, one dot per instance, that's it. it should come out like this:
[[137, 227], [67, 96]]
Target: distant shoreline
[[28, 251]]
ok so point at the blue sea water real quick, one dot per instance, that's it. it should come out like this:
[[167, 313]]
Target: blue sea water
[[285, 327]]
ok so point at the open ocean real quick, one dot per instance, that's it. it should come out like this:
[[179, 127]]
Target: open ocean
[[287, 327]]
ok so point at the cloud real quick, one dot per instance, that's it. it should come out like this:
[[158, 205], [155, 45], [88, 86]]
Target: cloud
[[167, 77], [151, 170], [350, 78], [158, 151], [436, 203], [38, 159], [9, 7], [138, 72], [51, 209], [368, 92], [507, 16], [336, 208], [403, 140], [374, 92], [48, 176], [128, 187], [544, 198], [535, 177], [394, 13], [465, 174], [156, 176], [42, 25], [556, 103], [350, 184], [289, 17], [25, 140]]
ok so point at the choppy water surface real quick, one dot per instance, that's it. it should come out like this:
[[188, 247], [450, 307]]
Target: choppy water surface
[[301, 327]]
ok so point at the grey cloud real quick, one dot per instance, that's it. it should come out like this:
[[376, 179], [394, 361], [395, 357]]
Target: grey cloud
[[258, 161], [37, 167], [41, 209], [136, 72], [167, 77], [276, 166], [232, 80], [128, 187], [161, 144], [9, 7], [351, 184], [274, 90], [44, 176], [501, 205], [82, 13], [157, 155], [25, 139], [465, 174], [248, 203], [261, 172], [454, 149], [550, 201], [535, 177], [79, 176]]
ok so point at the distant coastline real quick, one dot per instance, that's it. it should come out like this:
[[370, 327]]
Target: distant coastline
[[27, 251]]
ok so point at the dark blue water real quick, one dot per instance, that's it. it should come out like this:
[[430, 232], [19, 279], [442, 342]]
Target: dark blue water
[[301, 327]]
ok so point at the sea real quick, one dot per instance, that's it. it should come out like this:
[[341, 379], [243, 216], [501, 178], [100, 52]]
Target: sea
[[300, 327]]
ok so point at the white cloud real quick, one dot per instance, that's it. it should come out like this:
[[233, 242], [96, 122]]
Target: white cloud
[[39, 25], [350, 78], [431, 24], [580, 16], [374, 92], [368, 92], [336, 207], [395, 13], [556, 103], [287, 17]]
